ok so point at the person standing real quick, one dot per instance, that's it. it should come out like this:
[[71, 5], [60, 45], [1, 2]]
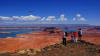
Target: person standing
[[72, 37], [75, 36], [65, 34], [79, 34]]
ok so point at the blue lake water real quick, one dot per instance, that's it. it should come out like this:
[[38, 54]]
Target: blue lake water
[[15, 32], [70, 30]]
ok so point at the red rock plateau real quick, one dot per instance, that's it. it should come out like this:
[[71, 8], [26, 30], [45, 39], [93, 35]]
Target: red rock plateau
[[18, 27], [36, 39], [7, 31], [92, 36], [41, 39]]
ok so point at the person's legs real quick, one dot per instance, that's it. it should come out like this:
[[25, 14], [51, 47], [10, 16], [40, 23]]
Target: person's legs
[[75, 40], [64, 41], [80, 36], [72, 39]]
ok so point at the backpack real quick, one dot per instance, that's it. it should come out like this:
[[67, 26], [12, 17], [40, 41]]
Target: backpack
[[79, 33], [66, 34]]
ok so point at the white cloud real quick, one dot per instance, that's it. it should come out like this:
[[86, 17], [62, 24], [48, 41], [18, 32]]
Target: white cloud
[[62, 18], [34, 19], [31, 17], [44, 18], [5, 18], [74, 19], [25, 18], [78, 15], [16, 18], [82, 19], [51, 18]]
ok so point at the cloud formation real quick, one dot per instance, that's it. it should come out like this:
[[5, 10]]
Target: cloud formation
[[74, 19], [35, 19], [31, 19], [62, 18], [82, 19], [5, 18], [51, 18], [26, 18], [78, 17]]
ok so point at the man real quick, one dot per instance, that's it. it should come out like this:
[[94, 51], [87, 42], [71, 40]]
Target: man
[[65, 34], [79, 34]]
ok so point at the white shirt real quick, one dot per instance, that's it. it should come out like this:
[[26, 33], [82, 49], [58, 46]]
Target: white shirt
[[64, 35]]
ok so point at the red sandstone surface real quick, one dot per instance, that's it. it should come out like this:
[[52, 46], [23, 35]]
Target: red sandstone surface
[[92, 36], [7, 31], [33, 40], [41, 39], [18, 27]]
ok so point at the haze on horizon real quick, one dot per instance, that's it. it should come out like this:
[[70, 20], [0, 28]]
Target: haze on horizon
[[49, 12]]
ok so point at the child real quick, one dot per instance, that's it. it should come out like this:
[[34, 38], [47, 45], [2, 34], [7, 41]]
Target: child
[[75, 36], [72, 37]]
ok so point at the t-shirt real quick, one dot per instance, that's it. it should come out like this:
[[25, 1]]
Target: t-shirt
[[75, 34], [80, 32], [64, 35]]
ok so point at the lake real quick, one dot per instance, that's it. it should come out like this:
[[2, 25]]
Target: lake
[[4, 33]]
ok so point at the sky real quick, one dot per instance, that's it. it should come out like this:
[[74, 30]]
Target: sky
[[50, 12]]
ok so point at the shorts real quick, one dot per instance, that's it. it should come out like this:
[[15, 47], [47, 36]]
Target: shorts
[[80, 36]]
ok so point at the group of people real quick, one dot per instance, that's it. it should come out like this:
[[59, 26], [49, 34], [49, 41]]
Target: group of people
[[74, 36]]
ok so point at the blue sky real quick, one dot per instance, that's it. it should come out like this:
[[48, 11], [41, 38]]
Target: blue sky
[[50, 11]]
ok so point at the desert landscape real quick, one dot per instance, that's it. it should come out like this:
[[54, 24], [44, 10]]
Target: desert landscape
[[49, 27], [35, 39], [41, 39]]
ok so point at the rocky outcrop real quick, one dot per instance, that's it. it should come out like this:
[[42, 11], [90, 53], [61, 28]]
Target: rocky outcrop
[[82, 48]]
